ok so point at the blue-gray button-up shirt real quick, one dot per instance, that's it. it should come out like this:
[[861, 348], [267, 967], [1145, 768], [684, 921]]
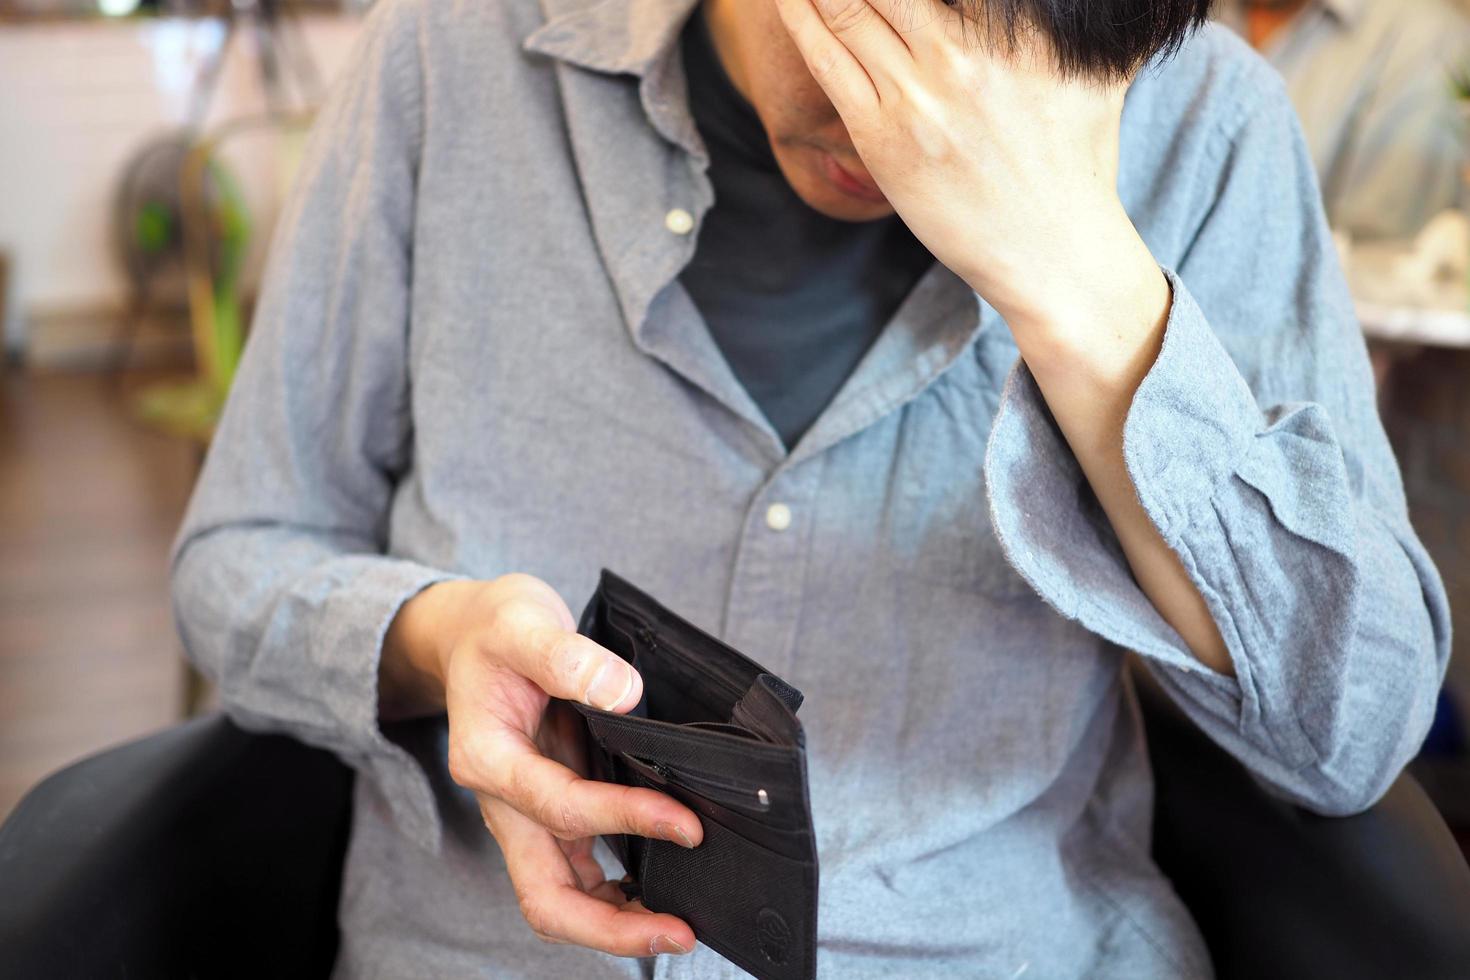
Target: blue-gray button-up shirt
[[472, 356]]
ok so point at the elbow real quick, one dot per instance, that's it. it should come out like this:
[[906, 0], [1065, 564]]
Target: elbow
[[1357, 774], [1387, 705], [1355, 783], [1327, 796], [1362, 763]]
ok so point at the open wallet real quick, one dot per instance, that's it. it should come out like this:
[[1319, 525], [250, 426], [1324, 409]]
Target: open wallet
[[717, 732]]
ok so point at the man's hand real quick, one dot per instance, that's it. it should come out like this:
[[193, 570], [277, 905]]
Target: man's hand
[[1005, 170], [1008, 173], [498, 652]]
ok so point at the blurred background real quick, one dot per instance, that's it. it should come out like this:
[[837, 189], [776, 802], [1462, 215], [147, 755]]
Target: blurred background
[[146, 146], [144, 152]]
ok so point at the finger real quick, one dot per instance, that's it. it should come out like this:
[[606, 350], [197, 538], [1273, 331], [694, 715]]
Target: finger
[[610, 892], [506, 766], [916, 21], [529, 637], [842, 76], [865, 32], [554, 904], [562, 735], [579, 856], [589, 873]]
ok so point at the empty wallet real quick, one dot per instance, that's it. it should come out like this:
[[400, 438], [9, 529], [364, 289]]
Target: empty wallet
[[717, 732]]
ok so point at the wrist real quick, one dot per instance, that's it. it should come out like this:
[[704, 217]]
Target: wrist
[[1105, 324], [416, 650], [1089, 382]]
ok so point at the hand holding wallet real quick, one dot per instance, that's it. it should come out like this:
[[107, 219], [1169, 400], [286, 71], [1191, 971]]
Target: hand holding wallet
[[717, 732]]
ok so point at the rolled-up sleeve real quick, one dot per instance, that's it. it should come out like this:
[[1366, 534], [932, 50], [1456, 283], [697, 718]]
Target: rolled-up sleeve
[[281, 587], [1255, 448]]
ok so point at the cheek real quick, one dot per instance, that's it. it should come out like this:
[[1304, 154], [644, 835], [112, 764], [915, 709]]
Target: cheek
[[812, 102], [791, 92], [801, 113]]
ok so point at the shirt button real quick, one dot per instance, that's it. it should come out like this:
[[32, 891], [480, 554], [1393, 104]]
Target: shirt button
[[679, 221], [778, 517]]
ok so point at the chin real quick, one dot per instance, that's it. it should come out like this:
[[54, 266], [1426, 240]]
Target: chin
[[821, 195], [838, 206]]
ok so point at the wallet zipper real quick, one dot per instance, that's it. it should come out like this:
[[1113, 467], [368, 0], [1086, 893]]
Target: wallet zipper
[[729, 794]]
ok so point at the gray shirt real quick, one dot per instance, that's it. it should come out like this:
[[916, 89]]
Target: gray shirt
[[1371, 82], [472, 356]]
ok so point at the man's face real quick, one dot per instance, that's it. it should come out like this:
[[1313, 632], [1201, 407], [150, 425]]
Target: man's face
[[810, 142]]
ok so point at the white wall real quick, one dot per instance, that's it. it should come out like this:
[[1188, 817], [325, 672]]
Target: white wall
[[79, 98]]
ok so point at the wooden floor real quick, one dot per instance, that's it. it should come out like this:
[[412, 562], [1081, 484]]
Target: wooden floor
[[89, 501]]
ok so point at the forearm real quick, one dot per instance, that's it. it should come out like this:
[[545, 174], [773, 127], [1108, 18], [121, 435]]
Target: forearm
[[1088, 373]]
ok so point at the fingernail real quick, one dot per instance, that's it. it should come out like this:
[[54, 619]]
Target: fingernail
[[673, 833], [610, 686], [663, 944]]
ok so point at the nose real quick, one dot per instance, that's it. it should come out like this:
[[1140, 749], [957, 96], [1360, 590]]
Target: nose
[[837, 141]]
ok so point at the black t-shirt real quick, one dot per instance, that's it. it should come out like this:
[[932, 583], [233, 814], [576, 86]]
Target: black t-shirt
[[792, 298]]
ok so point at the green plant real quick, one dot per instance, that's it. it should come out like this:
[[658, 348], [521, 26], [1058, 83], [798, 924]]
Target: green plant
[[1459, 79], [191, 408]]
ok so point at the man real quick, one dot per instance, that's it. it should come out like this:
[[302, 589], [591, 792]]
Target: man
[[505, 341], [1371, 80]]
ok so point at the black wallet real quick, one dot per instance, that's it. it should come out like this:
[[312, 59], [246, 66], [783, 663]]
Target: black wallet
[[719, 733]]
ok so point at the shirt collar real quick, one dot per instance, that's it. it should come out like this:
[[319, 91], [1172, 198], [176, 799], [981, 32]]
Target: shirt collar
[[939, 320], [622, 37], [627, 37]]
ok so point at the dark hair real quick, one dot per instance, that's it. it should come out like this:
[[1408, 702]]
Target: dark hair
[[1091, 38]]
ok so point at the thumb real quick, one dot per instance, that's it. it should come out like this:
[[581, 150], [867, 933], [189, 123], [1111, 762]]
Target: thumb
[[594, 675], [531, 638]]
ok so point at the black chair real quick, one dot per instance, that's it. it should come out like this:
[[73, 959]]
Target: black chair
[[1282, 893], [202, 851], [205, 851]]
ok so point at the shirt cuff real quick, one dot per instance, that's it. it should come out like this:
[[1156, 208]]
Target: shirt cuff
[[332, 700], [1191, 427]]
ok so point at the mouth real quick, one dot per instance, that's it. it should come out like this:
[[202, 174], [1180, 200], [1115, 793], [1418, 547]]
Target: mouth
[[862, 188]]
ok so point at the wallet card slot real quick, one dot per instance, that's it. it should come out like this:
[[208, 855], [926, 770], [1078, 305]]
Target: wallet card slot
[[617, 596], [677, 698], [775, 835], [670, 693], [725, 728], [644, 635]]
